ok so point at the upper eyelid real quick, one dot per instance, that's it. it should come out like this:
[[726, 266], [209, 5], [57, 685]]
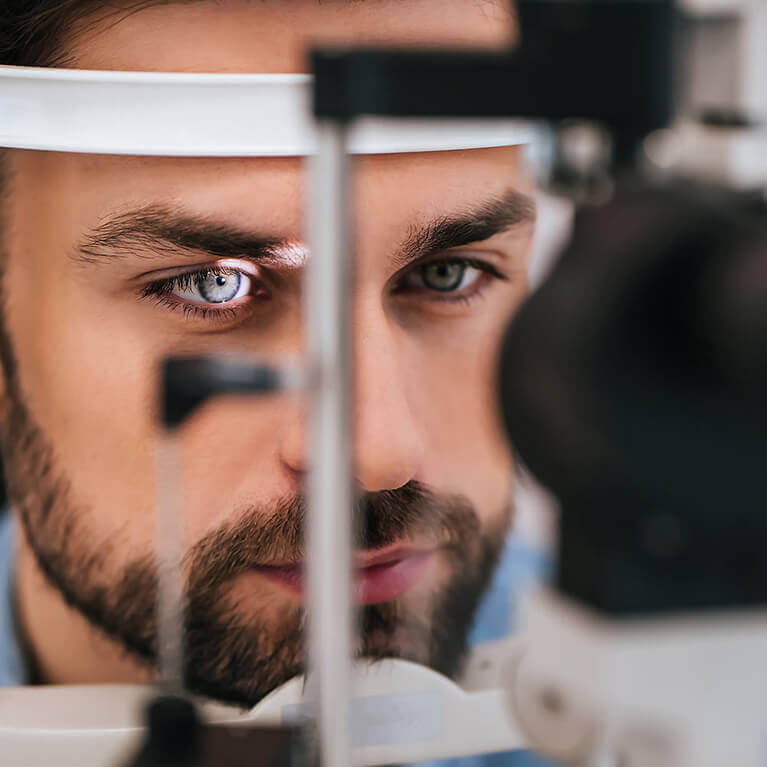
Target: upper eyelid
[[160, 275], [487, 256]]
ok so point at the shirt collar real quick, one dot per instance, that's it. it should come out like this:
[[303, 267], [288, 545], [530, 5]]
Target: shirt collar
[[497, 615]]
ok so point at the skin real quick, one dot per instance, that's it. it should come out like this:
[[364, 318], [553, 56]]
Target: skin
[[86, 343]]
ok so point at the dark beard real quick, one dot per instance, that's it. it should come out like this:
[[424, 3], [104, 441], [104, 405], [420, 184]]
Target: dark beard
[[231, 655]]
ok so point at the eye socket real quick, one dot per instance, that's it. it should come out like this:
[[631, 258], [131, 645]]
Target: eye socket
[[217, 292], [205, 287]]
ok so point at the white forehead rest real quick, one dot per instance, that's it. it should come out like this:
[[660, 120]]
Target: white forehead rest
[[199, 115]]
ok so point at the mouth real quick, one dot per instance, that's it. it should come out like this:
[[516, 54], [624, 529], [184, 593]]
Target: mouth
[[379, 576]]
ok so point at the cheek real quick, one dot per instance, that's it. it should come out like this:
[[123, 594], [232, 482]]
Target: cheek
[[229, 452], [85, 376], [90, 379], [89, 383], [452, 386]]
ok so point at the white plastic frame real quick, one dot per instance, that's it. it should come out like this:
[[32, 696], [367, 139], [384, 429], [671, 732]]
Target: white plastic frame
[[204, 115]]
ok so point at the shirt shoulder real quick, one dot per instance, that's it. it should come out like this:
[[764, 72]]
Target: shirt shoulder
[[11, 666]]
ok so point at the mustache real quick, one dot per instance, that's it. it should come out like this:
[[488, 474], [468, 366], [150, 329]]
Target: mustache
[[260, 537]]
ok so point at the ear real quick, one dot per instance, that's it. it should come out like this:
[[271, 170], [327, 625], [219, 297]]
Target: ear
[[4, 397]]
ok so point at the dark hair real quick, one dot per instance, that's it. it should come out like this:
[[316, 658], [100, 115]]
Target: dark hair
[[33, 32]]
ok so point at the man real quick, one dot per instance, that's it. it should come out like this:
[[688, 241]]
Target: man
[[110, 264]]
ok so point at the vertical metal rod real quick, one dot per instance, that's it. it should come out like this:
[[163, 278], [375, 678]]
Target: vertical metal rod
[[330, 491], [169, 547]]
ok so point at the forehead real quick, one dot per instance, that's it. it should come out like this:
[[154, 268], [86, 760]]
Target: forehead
[[274, 35], [271, 36], [268, 193]]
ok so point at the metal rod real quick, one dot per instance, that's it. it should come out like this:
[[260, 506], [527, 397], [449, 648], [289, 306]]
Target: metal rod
[[169, 547], [330, 492]]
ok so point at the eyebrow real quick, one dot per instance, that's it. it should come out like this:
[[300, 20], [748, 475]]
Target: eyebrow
[[494, 216], [158, 231]]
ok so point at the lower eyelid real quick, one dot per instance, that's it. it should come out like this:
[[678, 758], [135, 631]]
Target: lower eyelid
[[201, 311]]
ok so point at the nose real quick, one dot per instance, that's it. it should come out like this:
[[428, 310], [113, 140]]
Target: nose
[[388, 447]]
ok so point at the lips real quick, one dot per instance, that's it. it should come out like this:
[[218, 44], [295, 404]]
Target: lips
[[380, 576]]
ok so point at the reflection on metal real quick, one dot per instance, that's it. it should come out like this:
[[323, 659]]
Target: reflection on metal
[[329, 493]]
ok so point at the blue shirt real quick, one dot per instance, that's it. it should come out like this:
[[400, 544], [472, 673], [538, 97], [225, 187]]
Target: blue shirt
[[495, 620], [11, 667]]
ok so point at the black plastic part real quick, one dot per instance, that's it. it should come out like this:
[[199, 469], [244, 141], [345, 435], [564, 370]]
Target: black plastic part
[[610, 62], [188, 382], [243, 745], [728, 118], [176, 737], [633, 385]]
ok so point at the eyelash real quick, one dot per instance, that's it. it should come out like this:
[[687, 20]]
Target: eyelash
[[162, 290]]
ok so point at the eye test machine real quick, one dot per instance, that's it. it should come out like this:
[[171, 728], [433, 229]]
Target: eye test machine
[[631, 386]]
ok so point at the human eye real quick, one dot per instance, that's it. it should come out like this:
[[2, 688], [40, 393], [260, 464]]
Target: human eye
[[449, 279], [217, 291]]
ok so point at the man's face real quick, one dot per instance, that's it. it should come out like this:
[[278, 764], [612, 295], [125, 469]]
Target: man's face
[[112, 264]]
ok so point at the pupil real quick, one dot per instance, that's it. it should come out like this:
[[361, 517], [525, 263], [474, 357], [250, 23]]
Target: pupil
[[221, 280]]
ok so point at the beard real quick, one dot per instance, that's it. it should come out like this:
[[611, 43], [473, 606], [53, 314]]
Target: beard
[[232, 654]]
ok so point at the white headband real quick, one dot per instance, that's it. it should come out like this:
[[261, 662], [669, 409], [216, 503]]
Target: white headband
[[198, 115]]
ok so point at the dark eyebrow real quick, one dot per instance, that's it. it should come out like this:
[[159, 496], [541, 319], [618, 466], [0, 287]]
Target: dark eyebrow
[[156, 230], [489, 218]]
